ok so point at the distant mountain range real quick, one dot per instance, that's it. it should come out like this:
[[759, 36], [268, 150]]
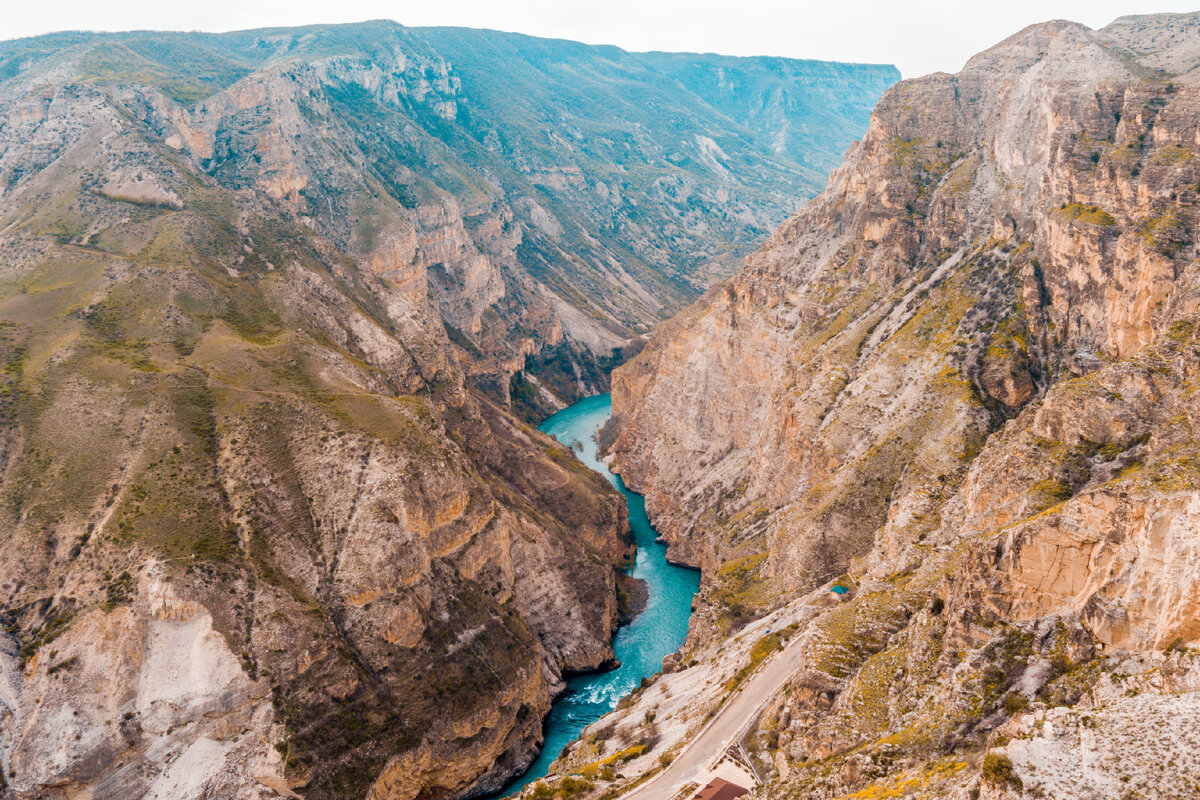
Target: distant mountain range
[[603, 189]]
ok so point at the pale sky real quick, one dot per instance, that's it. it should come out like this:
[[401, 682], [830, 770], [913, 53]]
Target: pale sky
[[918, 36]]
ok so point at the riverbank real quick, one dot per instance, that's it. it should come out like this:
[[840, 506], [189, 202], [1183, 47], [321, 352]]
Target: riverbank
[[640, 646]]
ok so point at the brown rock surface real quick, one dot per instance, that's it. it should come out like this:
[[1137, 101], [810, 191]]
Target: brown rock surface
[[960, 382], [262, 533]]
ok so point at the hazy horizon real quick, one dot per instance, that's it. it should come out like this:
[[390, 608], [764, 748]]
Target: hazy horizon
[[922, 37]]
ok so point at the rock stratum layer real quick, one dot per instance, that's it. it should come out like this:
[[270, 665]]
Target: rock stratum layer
[[272, 524], [962, 383]]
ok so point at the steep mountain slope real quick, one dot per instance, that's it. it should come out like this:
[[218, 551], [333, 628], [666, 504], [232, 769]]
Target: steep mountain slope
[[961, 383], [271, 522], [561, 195], [247, 493]]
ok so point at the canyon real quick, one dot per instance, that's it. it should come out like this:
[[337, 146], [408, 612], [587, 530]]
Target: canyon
[[278, 309]]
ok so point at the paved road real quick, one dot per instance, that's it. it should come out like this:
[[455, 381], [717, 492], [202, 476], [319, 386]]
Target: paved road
[[725, 728]]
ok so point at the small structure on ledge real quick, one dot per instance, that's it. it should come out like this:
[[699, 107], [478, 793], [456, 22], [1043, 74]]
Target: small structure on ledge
[[720, 789]]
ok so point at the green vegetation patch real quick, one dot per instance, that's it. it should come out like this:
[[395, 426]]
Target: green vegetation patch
[[847, 635], [1166, 234], [67, 458], [998, 771], [962, 177], [14, 352], [182, 70], [175, 504], [119, 591], [738, 588], [1009, 339], [927, 780], [1050, 492], [1172, 154], [45, 621], [866, 696], [1087, 215]]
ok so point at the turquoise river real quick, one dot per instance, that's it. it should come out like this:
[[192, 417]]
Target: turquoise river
[[640, 646]]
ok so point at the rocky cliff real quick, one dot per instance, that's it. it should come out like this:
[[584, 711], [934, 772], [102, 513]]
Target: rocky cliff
[[960, 383], [272, 522]]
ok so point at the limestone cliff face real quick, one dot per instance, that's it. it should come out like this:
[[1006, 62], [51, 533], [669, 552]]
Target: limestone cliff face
[[994, 232], [961, 382]]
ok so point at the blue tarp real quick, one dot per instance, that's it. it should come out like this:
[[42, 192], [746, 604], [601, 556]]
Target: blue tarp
[[839, 590]]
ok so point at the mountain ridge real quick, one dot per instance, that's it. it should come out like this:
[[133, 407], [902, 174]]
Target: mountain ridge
[[639, 242]]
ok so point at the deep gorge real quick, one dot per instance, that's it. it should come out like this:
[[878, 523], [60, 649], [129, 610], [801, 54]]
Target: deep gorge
[[909, 370], [655, 632]]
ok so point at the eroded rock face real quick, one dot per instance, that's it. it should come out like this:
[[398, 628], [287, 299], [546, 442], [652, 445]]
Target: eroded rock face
[[970, 251], [960, 383], [152, 686]]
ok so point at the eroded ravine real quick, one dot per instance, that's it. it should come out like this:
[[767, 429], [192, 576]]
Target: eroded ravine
[[640, 646]]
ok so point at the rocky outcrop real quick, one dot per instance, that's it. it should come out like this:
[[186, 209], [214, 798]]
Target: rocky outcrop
[[152, 687], [1094, 508], [958, 383]]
